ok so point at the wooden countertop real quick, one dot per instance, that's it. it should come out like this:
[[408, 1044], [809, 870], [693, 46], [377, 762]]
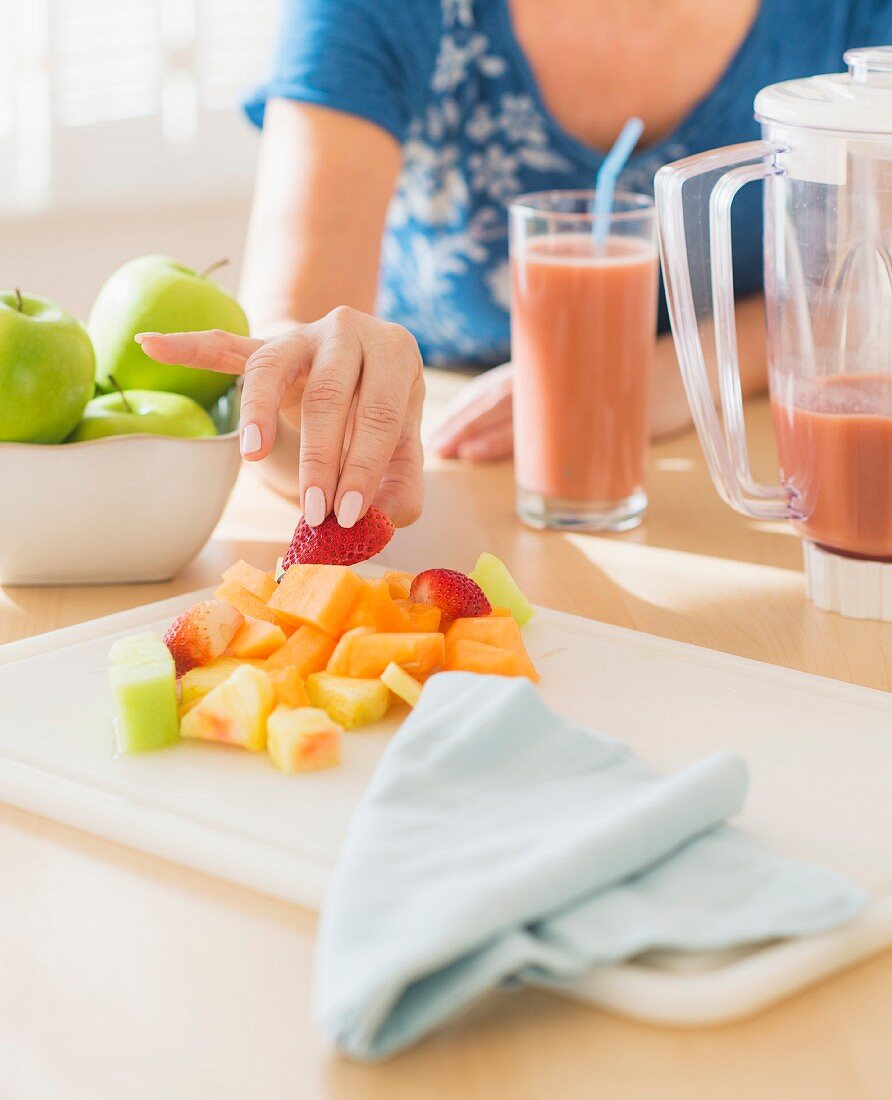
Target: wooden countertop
[[125, 976]]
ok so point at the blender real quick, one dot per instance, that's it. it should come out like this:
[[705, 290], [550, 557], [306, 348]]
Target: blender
[[825, 163]]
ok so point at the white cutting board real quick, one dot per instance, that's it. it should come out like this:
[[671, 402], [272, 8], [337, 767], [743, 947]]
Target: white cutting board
[[819, 752]]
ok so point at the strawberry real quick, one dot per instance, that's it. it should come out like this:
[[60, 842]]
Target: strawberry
[[201, 634], [456, 595], [331, 544]]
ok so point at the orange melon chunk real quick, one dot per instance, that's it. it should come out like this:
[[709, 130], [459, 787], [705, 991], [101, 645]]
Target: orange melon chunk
[[307, 650], [423, 617], [501, 631], [253, 580], [375, 608], [466, 655], [399, 584], [319, 595], [500, 612], [251, 606], [256, 638], [338, 662], [288, 684], [368, 655]]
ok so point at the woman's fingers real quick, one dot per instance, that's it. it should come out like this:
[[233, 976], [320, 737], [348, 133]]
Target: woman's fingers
[[391, 378], [484, 403], [401, 492], [495, 443], [325, 412], [210, 350], [276, 367]]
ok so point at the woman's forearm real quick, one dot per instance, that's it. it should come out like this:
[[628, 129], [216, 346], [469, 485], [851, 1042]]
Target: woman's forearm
[[669, 405], [325, 180]]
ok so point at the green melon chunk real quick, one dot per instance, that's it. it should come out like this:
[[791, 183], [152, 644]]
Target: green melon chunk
[[500, 588], [144, 687]]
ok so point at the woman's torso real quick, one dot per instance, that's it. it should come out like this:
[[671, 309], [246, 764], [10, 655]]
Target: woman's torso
[[486, 132]]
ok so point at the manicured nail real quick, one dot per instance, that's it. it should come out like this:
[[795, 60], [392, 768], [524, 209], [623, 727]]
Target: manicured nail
[[140, 336], [351, 506], [314, 506], [251, 439]]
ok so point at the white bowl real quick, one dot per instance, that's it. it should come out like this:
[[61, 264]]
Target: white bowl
[[118, 510]]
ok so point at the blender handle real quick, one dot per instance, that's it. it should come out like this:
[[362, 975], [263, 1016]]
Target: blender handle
[[724, 444]]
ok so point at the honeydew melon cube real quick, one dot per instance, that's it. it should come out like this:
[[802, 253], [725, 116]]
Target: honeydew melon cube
[[144, 688], [500, 588]]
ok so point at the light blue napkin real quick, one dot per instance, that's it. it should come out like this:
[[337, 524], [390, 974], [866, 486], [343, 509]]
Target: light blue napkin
[[498, 844]]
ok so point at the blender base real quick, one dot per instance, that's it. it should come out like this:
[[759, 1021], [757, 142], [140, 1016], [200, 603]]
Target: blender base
[[854, 587]]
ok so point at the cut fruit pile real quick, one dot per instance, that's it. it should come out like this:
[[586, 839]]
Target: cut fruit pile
[[287, 667]]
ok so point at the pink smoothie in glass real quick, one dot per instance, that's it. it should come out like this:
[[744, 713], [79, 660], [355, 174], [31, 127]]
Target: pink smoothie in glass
[[583, 325], [835, 451]]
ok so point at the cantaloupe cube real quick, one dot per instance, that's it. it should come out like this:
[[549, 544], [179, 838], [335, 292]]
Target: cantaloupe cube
[[499, 612], [466, 655], [499, 630], [234, 712], [495, 630], [321, 595], [288, 684], [349, 700], [197, 682], [399, 583], [253, 580], [307, 650], [368, 655], [403, 685], [256, 638], [251, 606], [338, 661], [423, 616], [375, 608], [303, 739]]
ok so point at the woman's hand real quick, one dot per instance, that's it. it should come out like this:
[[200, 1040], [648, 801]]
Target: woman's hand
[[477, 423], [355, 385]]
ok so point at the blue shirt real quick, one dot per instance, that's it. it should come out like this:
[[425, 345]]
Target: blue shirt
[[450, 81]]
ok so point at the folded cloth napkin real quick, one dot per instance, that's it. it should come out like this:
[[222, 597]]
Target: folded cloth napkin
[[497, 843]]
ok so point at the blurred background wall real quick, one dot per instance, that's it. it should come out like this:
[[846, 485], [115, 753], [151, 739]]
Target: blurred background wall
[[121, 134]]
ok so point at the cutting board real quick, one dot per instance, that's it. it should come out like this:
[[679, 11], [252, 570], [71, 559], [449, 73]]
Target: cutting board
[[819, 753]]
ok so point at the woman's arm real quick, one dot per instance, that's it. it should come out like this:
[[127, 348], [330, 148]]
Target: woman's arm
[[324, 182], [477, 424]]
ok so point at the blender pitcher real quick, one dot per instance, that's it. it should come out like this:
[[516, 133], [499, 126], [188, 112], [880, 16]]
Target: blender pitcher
[[826, 164]]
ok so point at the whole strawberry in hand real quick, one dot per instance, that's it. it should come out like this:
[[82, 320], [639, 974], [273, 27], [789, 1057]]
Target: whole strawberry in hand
[[331, 544]]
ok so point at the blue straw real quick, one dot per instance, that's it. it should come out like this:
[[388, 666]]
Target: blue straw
[[608, 173]]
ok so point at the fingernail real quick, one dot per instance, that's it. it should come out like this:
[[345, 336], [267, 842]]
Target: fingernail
[[140, 336], [351, 506], [251, 439], [314, 506]]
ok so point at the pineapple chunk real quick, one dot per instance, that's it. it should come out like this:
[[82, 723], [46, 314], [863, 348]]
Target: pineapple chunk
[[348, 700], [199, 681], [303, 739], [234, 712], [401, 683]]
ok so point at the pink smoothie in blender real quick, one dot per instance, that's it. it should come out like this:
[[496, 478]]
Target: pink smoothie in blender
[[835, 449]]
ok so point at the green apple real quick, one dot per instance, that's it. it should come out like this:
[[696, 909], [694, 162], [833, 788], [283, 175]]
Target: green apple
[[157, 294], [149, 412], [46, 370]]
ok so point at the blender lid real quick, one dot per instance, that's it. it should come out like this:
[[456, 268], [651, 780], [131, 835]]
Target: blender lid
[[858, 101]]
